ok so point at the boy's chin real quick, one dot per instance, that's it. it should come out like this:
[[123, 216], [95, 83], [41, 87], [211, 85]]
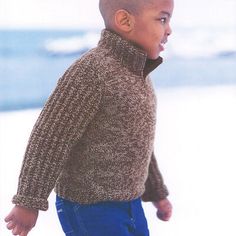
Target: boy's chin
[[153, 56]]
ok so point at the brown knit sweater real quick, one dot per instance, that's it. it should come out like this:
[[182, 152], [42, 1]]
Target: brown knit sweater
[[93, 140]]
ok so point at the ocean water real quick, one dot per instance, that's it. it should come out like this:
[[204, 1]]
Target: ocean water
[[31, 61]]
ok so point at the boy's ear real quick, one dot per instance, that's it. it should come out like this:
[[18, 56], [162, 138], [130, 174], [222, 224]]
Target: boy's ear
[[124, 21]]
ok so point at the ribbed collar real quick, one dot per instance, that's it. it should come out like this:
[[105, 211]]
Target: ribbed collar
[[130, 55]]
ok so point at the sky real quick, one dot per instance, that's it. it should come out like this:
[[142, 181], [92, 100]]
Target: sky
[[85, 14], [49, 14]]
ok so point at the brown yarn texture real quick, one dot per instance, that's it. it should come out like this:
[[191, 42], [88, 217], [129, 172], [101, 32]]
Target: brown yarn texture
[[93, 140]]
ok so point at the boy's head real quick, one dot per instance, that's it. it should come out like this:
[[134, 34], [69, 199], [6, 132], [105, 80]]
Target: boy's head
[[143, 22]]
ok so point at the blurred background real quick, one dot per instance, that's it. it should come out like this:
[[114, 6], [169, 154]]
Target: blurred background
[[196, 89], [40, 39]]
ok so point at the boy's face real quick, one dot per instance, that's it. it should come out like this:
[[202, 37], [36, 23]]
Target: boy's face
[[152, 27]]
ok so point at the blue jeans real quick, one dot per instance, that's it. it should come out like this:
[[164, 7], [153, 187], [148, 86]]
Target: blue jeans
[[109, 218]]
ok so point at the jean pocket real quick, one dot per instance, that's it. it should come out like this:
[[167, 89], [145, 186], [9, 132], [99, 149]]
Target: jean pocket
[[64, 218]]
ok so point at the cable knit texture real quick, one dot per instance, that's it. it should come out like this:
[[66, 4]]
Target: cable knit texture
[[93, 140]]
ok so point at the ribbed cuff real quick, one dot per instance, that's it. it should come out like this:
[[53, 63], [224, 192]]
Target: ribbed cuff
[[30, 202], [154, 191], [154, 196]]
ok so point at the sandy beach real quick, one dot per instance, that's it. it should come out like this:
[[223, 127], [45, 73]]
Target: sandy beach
[[195, 147]]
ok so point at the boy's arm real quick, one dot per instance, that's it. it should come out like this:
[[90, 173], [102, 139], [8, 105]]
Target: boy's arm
[[155, 189], [63, 120]]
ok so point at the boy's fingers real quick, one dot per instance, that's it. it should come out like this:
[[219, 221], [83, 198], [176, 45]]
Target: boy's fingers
[[17, 230], [11, 225], [8, 218], [165, 216], [24, 233]]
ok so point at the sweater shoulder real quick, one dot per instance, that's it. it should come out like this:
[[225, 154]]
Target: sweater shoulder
[[96, 67], [85, 69]]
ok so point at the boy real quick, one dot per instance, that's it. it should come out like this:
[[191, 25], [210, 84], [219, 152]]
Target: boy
[[94, 138]]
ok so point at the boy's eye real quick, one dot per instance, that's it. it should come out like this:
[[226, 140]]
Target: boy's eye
[[163, 20]]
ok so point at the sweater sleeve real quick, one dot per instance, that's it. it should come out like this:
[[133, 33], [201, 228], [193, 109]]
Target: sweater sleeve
[[68, 111], [155, 189]]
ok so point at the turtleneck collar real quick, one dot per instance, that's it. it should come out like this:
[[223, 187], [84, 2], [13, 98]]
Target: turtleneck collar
[[131, 56]]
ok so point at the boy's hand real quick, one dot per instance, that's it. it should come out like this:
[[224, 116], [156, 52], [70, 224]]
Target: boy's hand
[[164, 209], [21, 220]]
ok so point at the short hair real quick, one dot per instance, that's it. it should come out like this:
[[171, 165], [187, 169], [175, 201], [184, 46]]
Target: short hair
[[108, 8]]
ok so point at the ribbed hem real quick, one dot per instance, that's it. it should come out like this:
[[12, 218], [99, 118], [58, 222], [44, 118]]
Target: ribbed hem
[[30, 202], [91, 197]]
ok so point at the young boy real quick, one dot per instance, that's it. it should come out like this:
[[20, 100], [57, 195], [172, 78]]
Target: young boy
[[93, 141]]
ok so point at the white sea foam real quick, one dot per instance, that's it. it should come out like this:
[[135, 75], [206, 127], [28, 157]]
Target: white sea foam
[[184, 43], [71, 45], [202, 42]]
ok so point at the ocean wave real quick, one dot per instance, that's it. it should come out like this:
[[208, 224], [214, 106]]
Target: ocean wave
[[185, 43], [198, 43], [72, 45]]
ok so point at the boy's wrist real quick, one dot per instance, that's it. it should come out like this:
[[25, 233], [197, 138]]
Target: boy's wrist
[[26, 208]]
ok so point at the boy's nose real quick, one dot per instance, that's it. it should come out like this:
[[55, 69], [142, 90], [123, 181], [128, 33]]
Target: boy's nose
[[168, 30]]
